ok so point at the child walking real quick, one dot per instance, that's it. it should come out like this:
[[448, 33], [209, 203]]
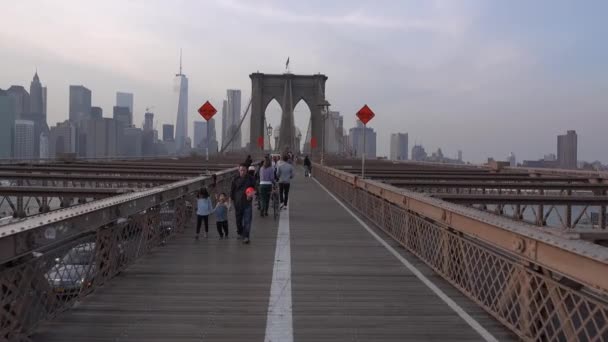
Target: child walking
[[204, 209], [221, 216]]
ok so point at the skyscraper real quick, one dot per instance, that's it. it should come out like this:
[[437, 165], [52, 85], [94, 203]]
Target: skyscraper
[[122, 115], [44, 145], [225, 137], [36, 96], [62, 139], [399, 146], [148, 121], [21, 99], [333, 133], [567, 150], [80, 103], [418, 153], [96, 113], [181, 122], [233, 112], [125, 100], [132, 142], [200, 134], [37, 112], [355, 138], [7, 124], [168, 133], [24, 139]]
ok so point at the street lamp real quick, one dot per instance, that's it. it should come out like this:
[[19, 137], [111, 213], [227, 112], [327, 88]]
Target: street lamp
[[269, 133], [324, 112]]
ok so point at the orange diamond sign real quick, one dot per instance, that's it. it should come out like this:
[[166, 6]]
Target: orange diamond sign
[[207, 111], [365, 114]]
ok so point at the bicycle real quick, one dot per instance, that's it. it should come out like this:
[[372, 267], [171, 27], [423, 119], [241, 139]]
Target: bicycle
[[274, 199]]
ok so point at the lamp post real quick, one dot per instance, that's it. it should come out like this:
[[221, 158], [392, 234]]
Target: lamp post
[[269, 133], [299, 142], [324, 112]]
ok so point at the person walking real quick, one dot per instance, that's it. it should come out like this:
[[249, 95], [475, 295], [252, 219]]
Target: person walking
[[242, 202], [266, 182], [221, 216], [307, 167], [203, 209], [285, 174]]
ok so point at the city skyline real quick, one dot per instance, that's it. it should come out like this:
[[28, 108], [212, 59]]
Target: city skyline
[[467, 87]]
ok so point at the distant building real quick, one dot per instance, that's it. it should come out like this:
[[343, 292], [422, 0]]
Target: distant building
[[334, 133], [200, 134], [550, 157], [459, 155], [125, 100], [96, 113], [122, 115], [418, 153], [541, 163], [512, 160], [148, 121], [232, 113], [132, 142], [44, 145], [7, 125], [225, 120], [37, 98], [80, 103], [21, 99], [101, 137], [62, 139], [24, 139], [181, 122], [399, 146], [168, 133], [355, 138], [567, 150]]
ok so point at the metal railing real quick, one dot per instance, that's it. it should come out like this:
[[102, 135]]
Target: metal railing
[[49, 261], [542, 288]]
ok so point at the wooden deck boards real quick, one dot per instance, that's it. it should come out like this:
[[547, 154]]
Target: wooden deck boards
[[345, 287]]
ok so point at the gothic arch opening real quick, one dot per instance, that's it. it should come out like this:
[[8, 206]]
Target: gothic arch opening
[[272, 115], [302, 119]]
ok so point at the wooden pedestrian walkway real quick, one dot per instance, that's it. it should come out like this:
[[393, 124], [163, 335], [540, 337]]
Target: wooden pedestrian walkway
[[316, 274]]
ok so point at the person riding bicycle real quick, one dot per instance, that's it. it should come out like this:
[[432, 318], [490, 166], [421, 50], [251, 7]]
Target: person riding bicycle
[[267, 181]]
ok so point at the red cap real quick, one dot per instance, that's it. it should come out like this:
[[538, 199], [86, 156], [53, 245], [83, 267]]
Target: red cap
[[249, 191]]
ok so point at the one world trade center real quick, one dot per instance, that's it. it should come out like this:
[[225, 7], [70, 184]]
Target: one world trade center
[[181, 124]]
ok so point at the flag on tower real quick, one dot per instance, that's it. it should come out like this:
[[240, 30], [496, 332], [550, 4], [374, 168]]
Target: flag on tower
[[287, 63]]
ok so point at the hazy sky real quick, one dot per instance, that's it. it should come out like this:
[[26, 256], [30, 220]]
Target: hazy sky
[[487, 77]]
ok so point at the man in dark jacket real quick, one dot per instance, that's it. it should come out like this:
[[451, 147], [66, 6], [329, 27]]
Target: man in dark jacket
[[242, 203]]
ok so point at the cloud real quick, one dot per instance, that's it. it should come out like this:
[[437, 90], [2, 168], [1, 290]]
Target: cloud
[[440, 23]]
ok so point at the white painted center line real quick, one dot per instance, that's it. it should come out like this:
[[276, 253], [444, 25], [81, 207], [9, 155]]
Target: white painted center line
[[486, 335], [279, 322]]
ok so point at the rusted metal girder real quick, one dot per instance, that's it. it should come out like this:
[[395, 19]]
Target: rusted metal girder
[[53, 191], [498, 177], [528, 184], [95, 170], [522, 199], [81, 177], [581, 261]]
